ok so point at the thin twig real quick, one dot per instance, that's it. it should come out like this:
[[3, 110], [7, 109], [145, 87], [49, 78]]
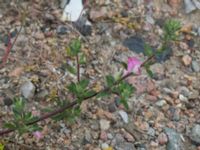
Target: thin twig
[[78, 68], [9, 47]]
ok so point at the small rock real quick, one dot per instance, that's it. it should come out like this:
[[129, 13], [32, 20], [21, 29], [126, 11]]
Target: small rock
[[62, 30], [42, 93], [198, 31], [194, 94], [189, 6], [184, 91], [125, 146], [195, 66], [103, 136], [195, 134], [162, 138], [186, 60], [183, 98], [39, 36], [128, 137], [104, 124], [112, 107], [151, 132], [28, 90], [161, 103], [154, 144], [104, 146], [63, 3], [87, 138], [124, 116], [110, 136], [174, 140]]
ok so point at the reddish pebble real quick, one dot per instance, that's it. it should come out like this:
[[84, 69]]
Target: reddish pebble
[[103, 136], [162, 138]]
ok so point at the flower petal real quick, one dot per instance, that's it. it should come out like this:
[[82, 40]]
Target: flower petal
[[134, 65]]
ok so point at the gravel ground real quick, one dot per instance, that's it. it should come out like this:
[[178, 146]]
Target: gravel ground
[[164, 111]]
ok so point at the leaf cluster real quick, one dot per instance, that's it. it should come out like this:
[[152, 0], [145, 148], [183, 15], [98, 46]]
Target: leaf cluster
[[21, 118]]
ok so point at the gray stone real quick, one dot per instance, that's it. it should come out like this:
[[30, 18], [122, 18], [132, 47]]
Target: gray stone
[[174, 140], [42, 93], [104, 145], [63, 3], [196, 3], [27, 89], [104, 124], [189, 6], [184, 91], [124, 116], [151, 132], [161, 103], [125, 146], [110, 136], [194, 94], [195, 134], [87, 138], [195, 66], [198, 31], [62, 30]]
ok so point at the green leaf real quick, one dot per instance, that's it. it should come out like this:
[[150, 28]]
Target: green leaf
[[72, 88], [124, 102], [75, 47], [71, 69], [148, 70], [84, 83], [110, 80], [103, 94], [148, 50], [82, 59], [89, 93], [10, 125]]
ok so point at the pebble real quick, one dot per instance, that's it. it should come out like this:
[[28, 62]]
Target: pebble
[[39, 36], [189, 6], [110, 136], [174, 140], [151, 132], [183, 98], [62, 30], [194, 94], [103, 136], [195, 134], [195, 66], [186, 60], [125, 146], [27, 90], [104, 146], [162, 138], [198, 30], [161, 103], [184, 91], [124, 116], [104, 124], [112, 107], [87, 138]]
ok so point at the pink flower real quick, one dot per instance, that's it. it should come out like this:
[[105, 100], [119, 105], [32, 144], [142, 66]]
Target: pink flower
[[38, 135], [134, 65]]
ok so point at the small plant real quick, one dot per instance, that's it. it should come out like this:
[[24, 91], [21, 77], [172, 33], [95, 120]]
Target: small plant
[[21, 118], [81, 90]]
